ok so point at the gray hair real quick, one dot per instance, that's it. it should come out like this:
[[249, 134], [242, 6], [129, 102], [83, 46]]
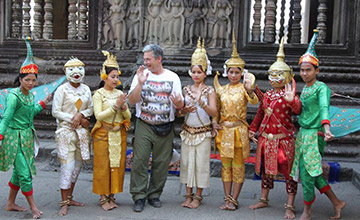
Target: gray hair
[[156, 49]]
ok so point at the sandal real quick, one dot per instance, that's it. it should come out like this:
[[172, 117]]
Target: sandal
[[264, 200], [198, 198], [233, 201], [104, 200]]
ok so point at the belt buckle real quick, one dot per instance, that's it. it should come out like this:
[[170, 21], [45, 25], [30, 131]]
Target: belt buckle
[[270, 137]]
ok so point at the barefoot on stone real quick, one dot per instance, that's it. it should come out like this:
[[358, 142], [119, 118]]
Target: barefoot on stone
[[259, 205], [106, 206], [194, 204], [338, 208], [289, 214], [36, 213], [14, 207], [63, 210], [113, 204], [305, 215], [75, 203], [186, 203]]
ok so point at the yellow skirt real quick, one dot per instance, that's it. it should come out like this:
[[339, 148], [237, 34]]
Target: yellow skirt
[[107, 180]]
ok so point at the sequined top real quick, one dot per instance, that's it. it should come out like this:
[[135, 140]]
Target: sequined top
[[232, 107]]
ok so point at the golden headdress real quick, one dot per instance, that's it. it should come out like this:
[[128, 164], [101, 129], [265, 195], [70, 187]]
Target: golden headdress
[[235, 60], [280, 66], [74, 61], [109, 62], [200, 58]]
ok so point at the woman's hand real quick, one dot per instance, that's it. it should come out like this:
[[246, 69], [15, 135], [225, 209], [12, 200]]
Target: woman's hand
[[188, 108], [48, 98], [216, 128], [121, 100]]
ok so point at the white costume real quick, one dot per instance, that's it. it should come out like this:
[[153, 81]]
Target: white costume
[[72, 145]]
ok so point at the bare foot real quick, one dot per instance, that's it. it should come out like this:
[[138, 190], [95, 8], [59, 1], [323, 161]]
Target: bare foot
[[259, 205], [106, 206], [36, 212], [338, 209], [224, 206], [63, 210], [186, 202], [194, 204], [14, 207], [289, 214], [113, 204], [305, 215], [75, 203]]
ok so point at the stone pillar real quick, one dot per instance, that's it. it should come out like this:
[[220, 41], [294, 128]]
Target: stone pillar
[[16, 19], [38, 20], [26, 19], [48, 16], [270, 20], [82, 20], [72, 27], [256, 28], [321, 19], [296, 28]]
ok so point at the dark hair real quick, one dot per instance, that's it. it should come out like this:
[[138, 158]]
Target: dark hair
[[156, 49], [228, 69], [21, 76], [315, 66], [107, 71]]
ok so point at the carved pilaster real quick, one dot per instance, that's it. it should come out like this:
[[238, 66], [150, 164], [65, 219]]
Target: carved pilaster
[[256, 28], [321, 19], [270, 16], [291, 20], [26, 19], [282, 19], [38, 19], [296, 28], [72, 20], [83, 18], [48, 25], [16, 19]]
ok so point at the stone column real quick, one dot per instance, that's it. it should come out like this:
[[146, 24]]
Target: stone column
[[38, 20], [26, 19], [48, 25], [256, 28], [82, 20], [72, 29], [270, 19], [321, 19], [16, 19]]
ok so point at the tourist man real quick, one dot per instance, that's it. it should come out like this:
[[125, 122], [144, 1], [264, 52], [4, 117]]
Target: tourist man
[[156, 91]]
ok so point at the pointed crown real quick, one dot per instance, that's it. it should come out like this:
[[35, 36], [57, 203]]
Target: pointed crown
[[310, 55], [29, 65], [74, 61], [235, 60], [279, 64], [199, 56], [109, 62]]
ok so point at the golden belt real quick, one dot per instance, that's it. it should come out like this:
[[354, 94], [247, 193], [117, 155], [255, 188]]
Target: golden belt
[[197, 130], [109, 127], [231, 124], [271, 137]]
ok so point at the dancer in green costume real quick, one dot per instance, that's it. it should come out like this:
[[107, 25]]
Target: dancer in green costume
[[314, 131], [17, 135]]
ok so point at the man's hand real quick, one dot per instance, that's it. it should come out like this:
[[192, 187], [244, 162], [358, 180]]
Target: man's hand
[[216, 128], [177, 100], [290, 91], [76, 120], [252, 137], [48, 98], [141, 76]]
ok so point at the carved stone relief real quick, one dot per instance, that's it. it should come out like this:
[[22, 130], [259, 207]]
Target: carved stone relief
[[170, 23]]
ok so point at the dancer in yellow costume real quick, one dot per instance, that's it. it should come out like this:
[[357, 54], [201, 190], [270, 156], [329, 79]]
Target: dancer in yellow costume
[[109, 134], [232, 139]]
